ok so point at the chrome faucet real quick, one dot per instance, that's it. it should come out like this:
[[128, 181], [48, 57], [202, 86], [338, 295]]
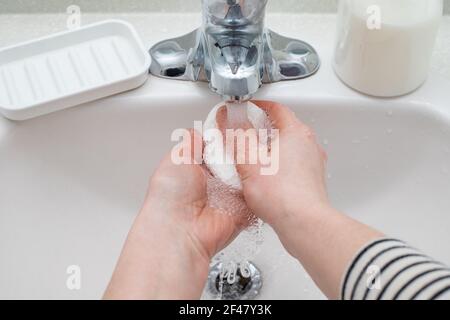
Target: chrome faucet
[[234, 51]]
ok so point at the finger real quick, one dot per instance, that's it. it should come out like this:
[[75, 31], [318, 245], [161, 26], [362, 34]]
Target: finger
[[223, 121], [309, 133], [284, 118], [323, 153], [281, 116], [247, 151]]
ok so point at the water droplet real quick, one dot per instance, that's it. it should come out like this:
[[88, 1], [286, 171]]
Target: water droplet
[[389, 131], [326, 142], [390, 113]]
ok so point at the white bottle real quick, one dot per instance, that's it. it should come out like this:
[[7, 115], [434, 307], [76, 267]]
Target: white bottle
[[384, 47]]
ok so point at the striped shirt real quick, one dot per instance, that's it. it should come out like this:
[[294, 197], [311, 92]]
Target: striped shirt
[[389, 269]]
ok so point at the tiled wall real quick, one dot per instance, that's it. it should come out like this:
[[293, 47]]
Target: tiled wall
[[32, 6]]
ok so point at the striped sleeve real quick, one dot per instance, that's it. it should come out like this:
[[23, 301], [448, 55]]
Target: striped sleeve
[[389, 269]]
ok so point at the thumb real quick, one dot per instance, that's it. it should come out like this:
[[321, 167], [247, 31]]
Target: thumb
[[245, 142]]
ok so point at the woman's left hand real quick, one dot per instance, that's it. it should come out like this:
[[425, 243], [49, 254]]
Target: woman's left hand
[[169, 248]]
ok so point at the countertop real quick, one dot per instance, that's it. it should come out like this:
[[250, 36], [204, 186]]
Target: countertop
[[154, 27]]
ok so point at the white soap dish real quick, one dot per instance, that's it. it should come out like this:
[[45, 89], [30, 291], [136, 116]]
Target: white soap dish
[[71, 68]]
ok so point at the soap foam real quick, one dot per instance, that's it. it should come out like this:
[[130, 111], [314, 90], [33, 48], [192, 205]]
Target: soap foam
[[238, 116], [224, 187], [224, 184]]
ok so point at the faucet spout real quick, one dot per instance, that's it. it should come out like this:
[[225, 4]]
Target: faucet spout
[[234, 51], [235, 57], [236, 29], [234, 14]]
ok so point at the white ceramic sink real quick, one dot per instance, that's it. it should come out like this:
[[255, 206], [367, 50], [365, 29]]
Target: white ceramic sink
[[72, 182]]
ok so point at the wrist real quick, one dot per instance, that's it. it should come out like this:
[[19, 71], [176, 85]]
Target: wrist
[[158, 262], [297, 216], [299, 224], [173, 243], [162, 221]]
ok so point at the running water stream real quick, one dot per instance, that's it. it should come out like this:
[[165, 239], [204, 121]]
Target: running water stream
[[234, 260]]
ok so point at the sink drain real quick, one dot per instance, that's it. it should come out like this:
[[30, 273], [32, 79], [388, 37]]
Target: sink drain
[[242, 283]]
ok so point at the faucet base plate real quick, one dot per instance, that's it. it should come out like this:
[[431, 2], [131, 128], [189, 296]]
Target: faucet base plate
[[183, 58]]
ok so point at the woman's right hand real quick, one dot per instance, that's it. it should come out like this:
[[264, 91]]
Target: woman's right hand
[[294, 202], [299, 184]]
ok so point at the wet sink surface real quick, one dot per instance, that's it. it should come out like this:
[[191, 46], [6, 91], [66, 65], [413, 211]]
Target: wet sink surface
[[72, 182]]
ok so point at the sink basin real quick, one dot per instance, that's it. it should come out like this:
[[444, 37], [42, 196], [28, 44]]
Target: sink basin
[[72, 182]]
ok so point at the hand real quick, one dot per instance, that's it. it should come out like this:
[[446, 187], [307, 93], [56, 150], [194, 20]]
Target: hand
[[299, 184], [169, 247], [295, 202], [178, 196]]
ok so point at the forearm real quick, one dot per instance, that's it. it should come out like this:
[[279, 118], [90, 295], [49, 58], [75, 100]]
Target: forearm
[[325, 242], [158, 262]]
